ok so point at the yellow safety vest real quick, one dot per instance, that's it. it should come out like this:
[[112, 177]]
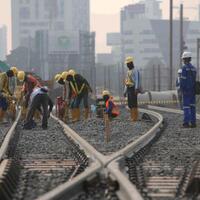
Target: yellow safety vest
[[75, 86], [129, 82], [4, 83]]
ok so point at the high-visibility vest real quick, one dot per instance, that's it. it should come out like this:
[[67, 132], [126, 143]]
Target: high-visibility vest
[[129, 82], [115, 109], [75, 86]]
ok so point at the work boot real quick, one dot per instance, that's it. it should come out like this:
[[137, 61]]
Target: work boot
[[86, 113], [135, 114], [185, 125], [78, 114], [73, 114], [132, 113], [2, 113]]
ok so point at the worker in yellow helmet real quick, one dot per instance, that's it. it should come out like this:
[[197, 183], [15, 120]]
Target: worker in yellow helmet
[[71, 93], [29, 83], [61, 103], [80, 88], [5, 93], [132, 87]]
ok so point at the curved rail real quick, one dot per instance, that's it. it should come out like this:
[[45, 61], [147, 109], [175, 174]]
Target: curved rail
[[171, 110], [105, 163], [70, 188], [116, 167]]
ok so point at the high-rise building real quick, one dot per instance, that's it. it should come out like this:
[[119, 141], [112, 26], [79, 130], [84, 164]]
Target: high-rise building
[[58, 31], [28, 16], [3, 42], [147, 39]]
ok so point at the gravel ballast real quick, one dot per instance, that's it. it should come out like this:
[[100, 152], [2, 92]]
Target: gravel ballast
[[123, 131], [172, 155], [36, 148]]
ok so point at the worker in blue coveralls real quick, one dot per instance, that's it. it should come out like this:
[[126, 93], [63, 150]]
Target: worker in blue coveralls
[[187, 85]]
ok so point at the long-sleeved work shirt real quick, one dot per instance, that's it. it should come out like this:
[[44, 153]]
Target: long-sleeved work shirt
[[4, 84]]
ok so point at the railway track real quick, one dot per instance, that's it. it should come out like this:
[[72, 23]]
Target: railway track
[[137, 170], [106, 182], [168, 167], [34, 162]]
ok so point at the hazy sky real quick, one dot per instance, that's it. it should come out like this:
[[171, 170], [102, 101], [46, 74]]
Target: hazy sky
[[104, 17]]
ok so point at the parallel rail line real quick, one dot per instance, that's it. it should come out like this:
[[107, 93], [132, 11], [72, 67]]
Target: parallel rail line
[[99, 164], [107, 164]]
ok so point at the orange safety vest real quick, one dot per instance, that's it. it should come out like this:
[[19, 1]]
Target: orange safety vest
[[115, 109]]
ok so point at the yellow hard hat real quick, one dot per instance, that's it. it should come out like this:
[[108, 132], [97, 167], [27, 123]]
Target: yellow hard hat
[[57, 77], [105, 92], [129, 59], [21, 76], [64, 75], [15, 70], [72, 72]]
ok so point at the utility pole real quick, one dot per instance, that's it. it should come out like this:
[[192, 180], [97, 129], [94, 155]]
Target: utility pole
[[123, 72], [181, 34], [198, 46], [171, 47], [104, 77], [109, 81], [159, 79], [119, 80], [154, 78], [199, 11]]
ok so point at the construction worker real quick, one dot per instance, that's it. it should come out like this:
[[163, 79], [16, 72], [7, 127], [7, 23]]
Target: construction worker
[[111, 108], [78, 88], [39, 98], [29, 83], [61, 103], [132, 85], [187, 86], [179, 93], [5, 93]]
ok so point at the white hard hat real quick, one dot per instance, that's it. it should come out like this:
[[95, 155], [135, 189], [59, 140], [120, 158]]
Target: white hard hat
[[105, 92], [180, 71], [187, 55]]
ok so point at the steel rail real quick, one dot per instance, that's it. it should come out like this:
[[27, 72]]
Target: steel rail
[[114, 167], [127, 191], [106, 163], [171, 110], [71, 188], [8, 137]]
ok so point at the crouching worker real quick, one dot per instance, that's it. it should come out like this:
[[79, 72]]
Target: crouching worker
[[111, 109], [5, 93], [39, 98]]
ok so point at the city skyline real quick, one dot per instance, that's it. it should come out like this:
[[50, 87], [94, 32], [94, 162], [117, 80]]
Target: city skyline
[[104, 14]]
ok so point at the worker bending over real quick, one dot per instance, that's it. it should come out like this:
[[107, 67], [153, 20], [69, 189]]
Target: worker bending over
[[39, 98], [79, 88], [29, 83], [5, 93], [132, 85], [187, 86], [61, 103], [111, 108]]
